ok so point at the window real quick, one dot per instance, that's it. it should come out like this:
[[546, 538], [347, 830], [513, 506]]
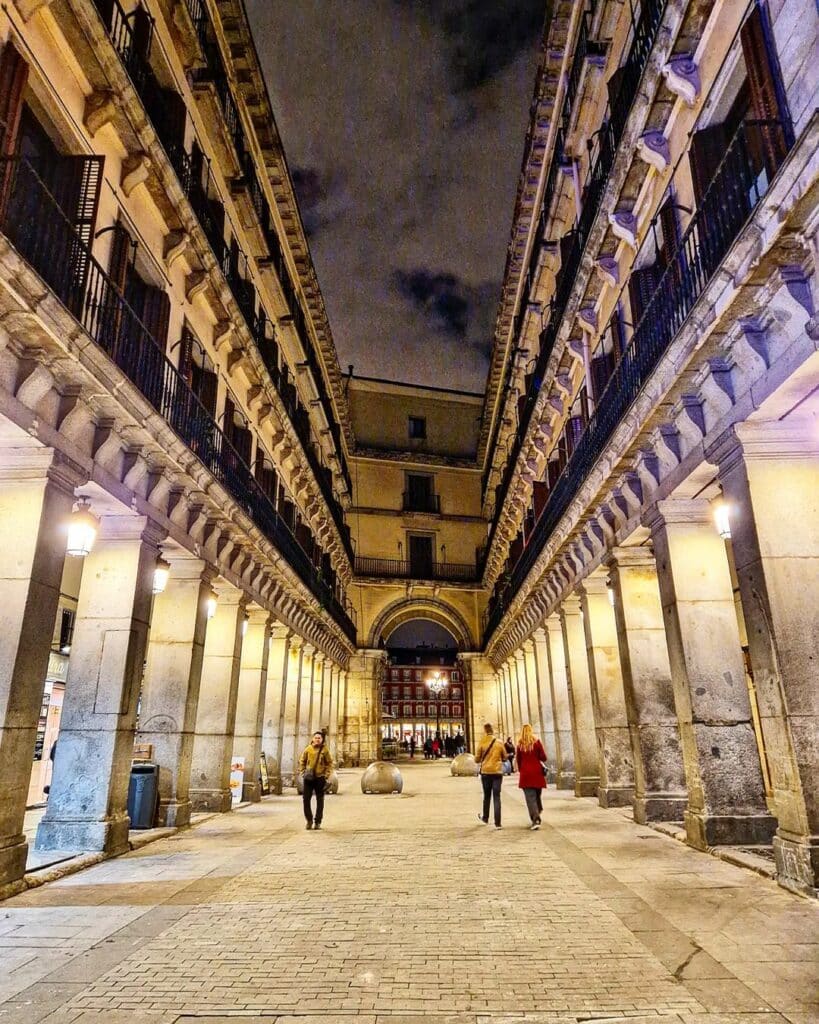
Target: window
[[419, 495], [455, 676], [419, 693], [66, 629], [417, 428], [407, 692]]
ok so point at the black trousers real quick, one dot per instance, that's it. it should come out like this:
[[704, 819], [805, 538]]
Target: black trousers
[[312, 786], [534, 803], [492, 789]]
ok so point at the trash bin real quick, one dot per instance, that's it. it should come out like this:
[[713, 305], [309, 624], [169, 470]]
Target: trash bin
[[143, 795]]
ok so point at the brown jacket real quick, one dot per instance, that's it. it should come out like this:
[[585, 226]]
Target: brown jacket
[[320, 760], [490, 755]]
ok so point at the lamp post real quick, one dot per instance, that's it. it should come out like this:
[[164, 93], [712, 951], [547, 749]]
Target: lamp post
[[436, 685]]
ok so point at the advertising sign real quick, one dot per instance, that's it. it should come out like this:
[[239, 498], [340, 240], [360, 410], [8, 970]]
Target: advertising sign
[[237, 778]]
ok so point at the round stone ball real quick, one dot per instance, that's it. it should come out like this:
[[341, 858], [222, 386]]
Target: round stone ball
[[381, 777], [464, 764]]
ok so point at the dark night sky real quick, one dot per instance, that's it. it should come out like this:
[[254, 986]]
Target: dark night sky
[[403, 122]]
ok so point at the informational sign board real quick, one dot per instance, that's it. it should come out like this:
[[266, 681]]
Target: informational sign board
[[264, 778], [237, 778]]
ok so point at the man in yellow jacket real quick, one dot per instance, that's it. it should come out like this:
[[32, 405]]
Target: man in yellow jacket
[[316, 766], [490, 756]]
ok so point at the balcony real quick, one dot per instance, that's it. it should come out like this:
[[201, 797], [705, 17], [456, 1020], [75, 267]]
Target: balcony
[[403, 569], [608, 139], [35, 224], [421, 502], [733, 194]]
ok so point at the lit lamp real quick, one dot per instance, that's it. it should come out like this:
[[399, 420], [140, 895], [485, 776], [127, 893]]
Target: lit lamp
[[722, 518], [161, 573], [82, 529], [210, 604], [610, 592], [437, 685], [245, 622]]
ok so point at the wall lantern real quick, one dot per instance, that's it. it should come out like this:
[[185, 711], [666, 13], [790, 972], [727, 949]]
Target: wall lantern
[[722, 518], [245, 622], [210, 604], [161, 573], [610, 592], [82, 529]]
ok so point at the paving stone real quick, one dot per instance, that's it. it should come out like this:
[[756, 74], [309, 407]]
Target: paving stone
[[410, 912]]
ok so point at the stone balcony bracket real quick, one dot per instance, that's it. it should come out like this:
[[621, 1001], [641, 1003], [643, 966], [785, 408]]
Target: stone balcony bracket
[[587, 318], [174, 246], [623, 224], [608, 269], [652, 148], [135, 170], [682, 77], [752, 340]]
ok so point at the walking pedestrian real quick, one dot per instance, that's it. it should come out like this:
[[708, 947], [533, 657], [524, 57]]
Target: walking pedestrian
[[490, 755], [532, 768], [412, 747], [315, 765], [509, 747]]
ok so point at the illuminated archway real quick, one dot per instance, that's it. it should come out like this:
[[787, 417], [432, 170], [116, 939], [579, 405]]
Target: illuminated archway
[[407, 609]]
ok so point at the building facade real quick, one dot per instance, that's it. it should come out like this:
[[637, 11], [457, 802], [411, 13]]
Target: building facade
[[422, 696], [620, 536]]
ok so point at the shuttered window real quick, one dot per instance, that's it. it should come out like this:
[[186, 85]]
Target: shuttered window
[[767, 97], [13, 79]]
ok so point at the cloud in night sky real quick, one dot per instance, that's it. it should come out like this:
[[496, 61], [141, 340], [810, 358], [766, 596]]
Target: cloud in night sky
[[403, 122]]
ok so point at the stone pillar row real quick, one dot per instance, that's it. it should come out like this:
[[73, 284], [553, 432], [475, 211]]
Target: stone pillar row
[[143, 667], [638, 684]]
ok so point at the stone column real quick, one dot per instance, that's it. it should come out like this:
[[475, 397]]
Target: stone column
[[330, 676], [341, 718], [170, 685], [616, 787], [273, 713], [659, 778], [501, 710], [361, 707], [318, 713], [522, 690], [561, 703], [216, 714], [89, 790], [770, 477], [36, 497], [290, 712], [586, 759], [726, 795], [482, 681], [548, 724], [250, 701], [532, 688], [511, 684], [305, 705]]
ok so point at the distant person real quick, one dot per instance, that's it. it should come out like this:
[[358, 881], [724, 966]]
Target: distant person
[[436, 748], [412, 746], [532, 768], [428, 749], [315, 765], [510, 753], [490, 755]]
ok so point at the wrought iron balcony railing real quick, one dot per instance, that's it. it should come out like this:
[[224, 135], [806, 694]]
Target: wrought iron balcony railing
[[421, 502], [403, 569], [734, 192], [35, 224], [608, 139]]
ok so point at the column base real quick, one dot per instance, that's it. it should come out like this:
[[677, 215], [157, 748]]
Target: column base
[[704, 830], [252, 792], [108, 836], [660, 807], [587, 786], [615, 796], [565, 780], [174, 813], [797, 863], [13, 856], [218, 800]]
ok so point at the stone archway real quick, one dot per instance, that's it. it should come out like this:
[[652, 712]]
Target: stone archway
[[408, 608]]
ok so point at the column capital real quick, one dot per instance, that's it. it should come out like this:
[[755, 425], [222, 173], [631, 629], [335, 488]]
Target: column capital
[[187, 567], [595, 583], [670, 511], [765, 440], [570, 606], [528, 645], [518, 654], [131, 527], [228, 594], [258, 616], [309, 650], [630, 557], [278, 630]]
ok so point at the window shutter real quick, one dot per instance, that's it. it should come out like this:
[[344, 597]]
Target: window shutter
[[143, 29], [186, 356], [707, 150], [227, 417], [641, 286], [767, 102], [671, 232], [156, 313], [208, 390], [13, 78], [120, 257]]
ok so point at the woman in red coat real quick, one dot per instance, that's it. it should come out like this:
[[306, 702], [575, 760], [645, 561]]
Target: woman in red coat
[[531, 759]]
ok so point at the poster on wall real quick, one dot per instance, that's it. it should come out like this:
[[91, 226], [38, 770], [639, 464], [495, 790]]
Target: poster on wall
[[263, 776], [237, 778]]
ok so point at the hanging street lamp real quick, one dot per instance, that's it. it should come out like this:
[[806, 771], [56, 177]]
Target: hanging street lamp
[[82, 529]]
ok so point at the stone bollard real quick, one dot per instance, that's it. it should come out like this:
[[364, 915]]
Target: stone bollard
[[330, 787], [464, 764], [381, 777]]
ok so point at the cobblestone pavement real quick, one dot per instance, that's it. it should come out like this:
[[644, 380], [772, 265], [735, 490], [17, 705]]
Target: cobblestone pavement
[[406, 909]]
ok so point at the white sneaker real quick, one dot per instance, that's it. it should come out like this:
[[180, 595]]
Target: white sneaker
[[480, 819], [497, 828], [534, 826]]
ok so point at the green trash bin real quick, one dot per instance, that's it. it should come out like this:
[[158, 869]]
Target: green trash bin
[[143, 795]]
